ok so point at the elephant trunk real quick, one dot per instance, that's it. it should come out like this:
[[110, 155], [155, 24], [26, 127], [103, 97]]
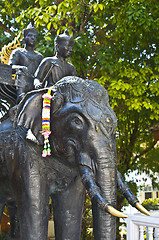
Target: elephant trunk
[[101, 187], [99, 178], [94, 192]]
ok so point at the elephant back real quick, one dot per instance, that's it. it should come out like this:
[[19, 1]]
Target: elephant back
[[74, 90], [29, 112]]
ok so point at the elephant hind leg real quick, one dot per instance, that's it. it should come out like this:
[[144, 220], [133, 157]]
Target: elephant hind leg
[[14, 224], [2, 204], [68, 209]]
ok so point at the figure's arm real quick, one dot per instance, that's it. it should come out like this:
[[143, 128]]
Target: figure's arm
[[41, 72], [74, 72], [14, 61]]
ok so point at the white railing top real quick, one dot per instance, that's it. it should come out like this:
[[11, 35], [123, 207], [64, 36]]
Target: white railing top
[[143, 220], [137, 222]]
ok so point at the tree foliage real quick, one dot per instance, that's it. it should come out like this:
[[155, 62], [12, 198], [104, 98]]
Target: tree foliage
[[151, 204], [116, 44]]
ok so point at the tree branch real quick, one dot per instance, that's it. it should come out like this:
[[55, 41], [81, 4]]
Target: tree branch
[[145, 151], [85, 21], [5, 28]]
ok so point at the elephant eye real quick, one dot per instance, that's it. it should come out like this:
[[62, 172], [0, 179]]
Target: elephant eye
[[76, 122]]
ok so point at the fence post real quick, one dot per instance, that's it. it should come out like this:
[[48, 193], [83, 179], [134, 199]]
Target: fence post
[[150, 233], [132, 230], [156, 234]]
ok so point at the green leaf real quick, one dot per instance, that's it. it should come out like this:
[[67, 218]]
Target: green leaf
[[95, 7], [49, 25]]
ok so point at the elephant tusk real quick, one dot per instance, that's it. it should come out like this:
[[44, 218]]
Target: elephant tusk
[[142, 209], [115, 212]]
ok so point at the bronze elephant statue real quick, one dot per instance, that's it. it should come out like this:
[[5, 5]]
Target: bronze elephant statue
[[83, 155]]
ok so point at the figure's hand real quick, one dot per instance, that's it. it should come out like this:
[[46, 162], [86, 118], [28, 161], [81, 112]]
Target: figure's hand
[[19, 69], [23, 68], [37, 84]]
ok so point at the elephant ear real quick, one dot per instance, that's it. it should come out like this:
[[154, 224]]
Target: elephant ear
[[29, 113]]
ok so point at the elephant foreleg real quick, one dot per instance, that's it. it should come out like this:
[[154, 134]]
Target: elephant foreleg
[[33, 204], [68, 208]]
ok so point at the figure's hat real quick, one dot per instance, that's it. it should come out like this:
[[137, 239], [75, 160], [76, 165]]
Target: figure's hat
[[30, 28], [64, 37]]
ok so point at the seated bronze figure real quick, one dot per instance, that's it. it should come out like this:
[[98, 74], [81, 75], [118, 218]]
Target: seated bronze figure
[[24, 61], [52, 69]]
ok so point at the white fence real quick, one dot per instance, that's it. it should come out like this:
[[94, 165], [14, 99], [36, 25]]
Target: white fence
[[141, 227]]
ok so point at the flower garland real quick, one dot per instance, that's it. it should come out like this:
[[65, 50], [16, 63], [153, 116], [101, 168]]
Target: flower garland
[[46, 122]]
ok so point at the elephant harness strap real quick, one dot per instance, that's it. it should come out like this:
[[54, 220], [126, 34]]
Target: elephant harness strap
[[46, 122]]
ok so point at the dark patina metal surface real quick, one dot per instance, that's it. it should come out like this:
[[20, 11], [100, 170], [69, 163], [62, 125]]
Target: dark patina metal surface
[[83, 156], [6, 74]]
